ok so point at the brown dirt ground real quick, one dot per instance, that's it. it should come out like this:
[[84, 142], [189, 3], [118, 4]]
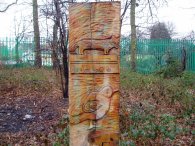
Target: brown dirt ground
[[45, 112]]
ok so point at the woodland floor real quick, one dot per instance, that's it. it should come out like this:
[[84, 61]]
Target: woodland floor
[[32, 109], [24, 119], [31, 106]]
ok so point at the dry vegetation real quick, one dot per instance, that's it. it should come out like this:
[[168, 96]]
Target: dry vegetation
[[157, 110], [30, 92], [154, 111]]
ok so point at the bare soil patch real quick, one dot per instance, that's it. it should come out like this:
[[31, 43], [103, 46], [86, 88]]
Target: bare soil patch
[[29, 116]]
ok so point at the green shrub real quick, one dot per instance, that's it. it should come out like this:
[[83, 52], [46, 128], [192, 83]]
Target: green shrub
[[172, 69], [146, 125], [62, 136], [188, 79]]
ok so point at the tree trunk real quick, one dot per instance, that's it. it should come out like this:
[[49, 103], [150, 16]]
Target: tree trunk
[[55, 60], [63, 46], [133, 36], [17, 51], [38, 60]]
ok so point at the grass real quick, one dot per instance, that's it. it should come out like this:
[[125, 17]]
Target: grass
[[172, 90], [157, 111], [22, 81]]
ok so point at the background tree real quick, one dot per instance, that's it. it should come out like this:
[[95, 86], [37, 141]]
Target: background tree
[[21, 29], [190, 36], [57, 11], [138, 10], [63, 36], [133, 36], [159, 31], [38, 59]]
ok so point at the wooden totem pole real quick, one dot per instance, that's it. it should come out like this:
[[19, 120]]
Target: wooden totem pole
[[94, 38]]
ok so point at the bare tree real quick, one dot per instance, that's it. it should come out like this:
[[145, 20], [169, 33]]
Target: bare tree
[[133, 36], [145, 7], [190, 36], [20, 29], [57, 11], [38, 60], [54, 45], [125, 8]]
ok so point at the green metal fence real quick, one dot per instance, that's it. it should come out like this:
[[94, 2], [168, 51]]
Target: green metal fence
[[16, 52], [151, 54]]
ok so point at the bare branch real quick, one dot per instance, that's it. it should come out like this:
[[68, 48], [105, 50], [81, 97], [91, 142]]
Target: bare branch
[[127, 4], [5, 9], [150, 8]]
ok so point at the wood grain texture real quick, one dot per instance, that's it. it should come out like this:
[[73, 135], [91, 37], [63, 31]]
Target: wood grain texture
[[94, 74], [94, 26]]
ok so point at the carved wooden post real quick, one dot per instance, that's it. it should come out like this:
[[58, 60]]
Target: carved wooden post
[[94, 38]]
